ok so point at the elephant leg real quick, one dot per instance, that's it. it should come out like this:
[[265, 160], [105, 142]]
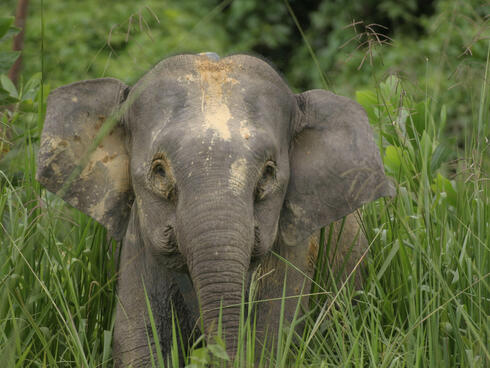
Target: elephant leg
[[344, 251], [131, 345], [346, 245], [295, 267], [133, 337]]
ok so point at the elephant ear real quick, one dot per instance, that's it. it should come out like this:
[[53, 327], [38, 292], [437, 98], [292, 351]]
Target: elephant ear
[[335, 165], [82, 156]]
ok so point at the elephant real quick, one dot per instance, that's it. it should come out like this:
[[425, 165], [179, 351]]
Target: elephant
[[209, 169]]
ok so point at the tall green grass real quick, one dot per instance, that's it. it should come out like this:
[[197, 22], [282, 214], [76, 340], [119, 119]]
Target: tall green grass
[[426, 298]]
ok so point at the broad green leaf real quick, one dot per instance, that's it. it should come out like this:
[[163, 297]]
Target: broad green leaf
[[200, 356], [440, 155], [392, 159], [31, 88], [10, 33], [7, 59], [6, 98], [417, 120], [368, 100], [5, 24], [218, 351], [8, 86], [27, 106], [443, 187], [391, 88]]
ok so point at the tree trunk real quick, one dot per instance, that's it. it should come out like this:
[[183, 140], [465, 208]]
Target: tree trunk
[[20, 21]]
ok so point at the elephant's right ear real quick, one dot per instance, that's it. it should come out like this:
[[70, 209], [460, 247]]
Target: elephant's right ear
[[83, 156]]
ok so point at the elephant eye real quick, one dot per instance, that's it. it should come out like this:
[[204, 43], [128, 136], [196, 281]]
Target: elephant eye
[[160, 171], [267, 181], [161, 177]]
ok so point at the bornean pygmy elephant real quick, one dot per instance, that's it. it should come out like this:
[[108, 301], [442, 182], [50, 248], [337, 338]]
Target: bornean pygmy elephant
[[202, 168]]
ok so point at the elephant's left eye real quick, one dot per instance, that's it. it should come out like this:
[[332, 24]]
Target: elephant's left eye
[[161, 177], [160, 171]]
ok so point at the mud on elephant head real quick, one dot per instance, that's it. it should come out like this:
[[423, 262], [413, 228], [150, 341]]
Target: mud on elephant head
[[202, 168]]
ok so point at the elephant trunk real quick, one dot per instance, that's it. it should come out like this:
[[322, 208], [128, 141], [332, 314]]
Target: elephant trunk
[[219, 288], [218, 246]]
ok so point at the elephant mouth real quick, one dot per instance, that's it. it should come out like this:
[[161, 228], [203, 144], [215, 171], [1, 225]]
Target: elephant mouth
[[165, 246]]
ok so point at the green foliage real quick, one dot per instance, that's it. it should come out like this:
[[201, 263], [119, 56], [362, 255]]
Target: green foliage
[[20, 122], [121, 39], [214, 353], [352, 41], [7, 58], [56, 287], [8, 93], [424, 86], [426, 300]]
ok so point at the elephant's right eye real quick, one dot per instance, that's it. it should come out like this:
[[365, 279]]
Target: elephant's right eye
[[161, 177]]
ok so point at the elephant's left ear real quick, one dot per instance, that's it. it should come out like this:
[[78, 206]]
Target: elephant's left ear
[[334, 162], [83, 156]]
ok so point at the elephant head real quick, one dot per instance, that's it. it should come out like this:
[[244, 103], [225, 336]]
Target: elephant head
[[215, 161]]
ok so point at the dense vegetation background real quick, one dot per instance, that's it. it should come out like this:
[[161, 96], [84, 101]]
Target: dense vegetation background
[[420, 69]]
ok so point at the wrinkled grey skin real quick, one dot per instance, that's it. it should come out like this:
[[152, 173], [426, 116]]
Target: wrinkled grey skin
[[212, 163]]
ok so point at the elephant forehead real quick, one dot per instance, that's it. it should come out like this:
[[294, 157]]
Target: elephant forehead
[[215, 82], [207, 103], [215, 89], [218, 127]]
